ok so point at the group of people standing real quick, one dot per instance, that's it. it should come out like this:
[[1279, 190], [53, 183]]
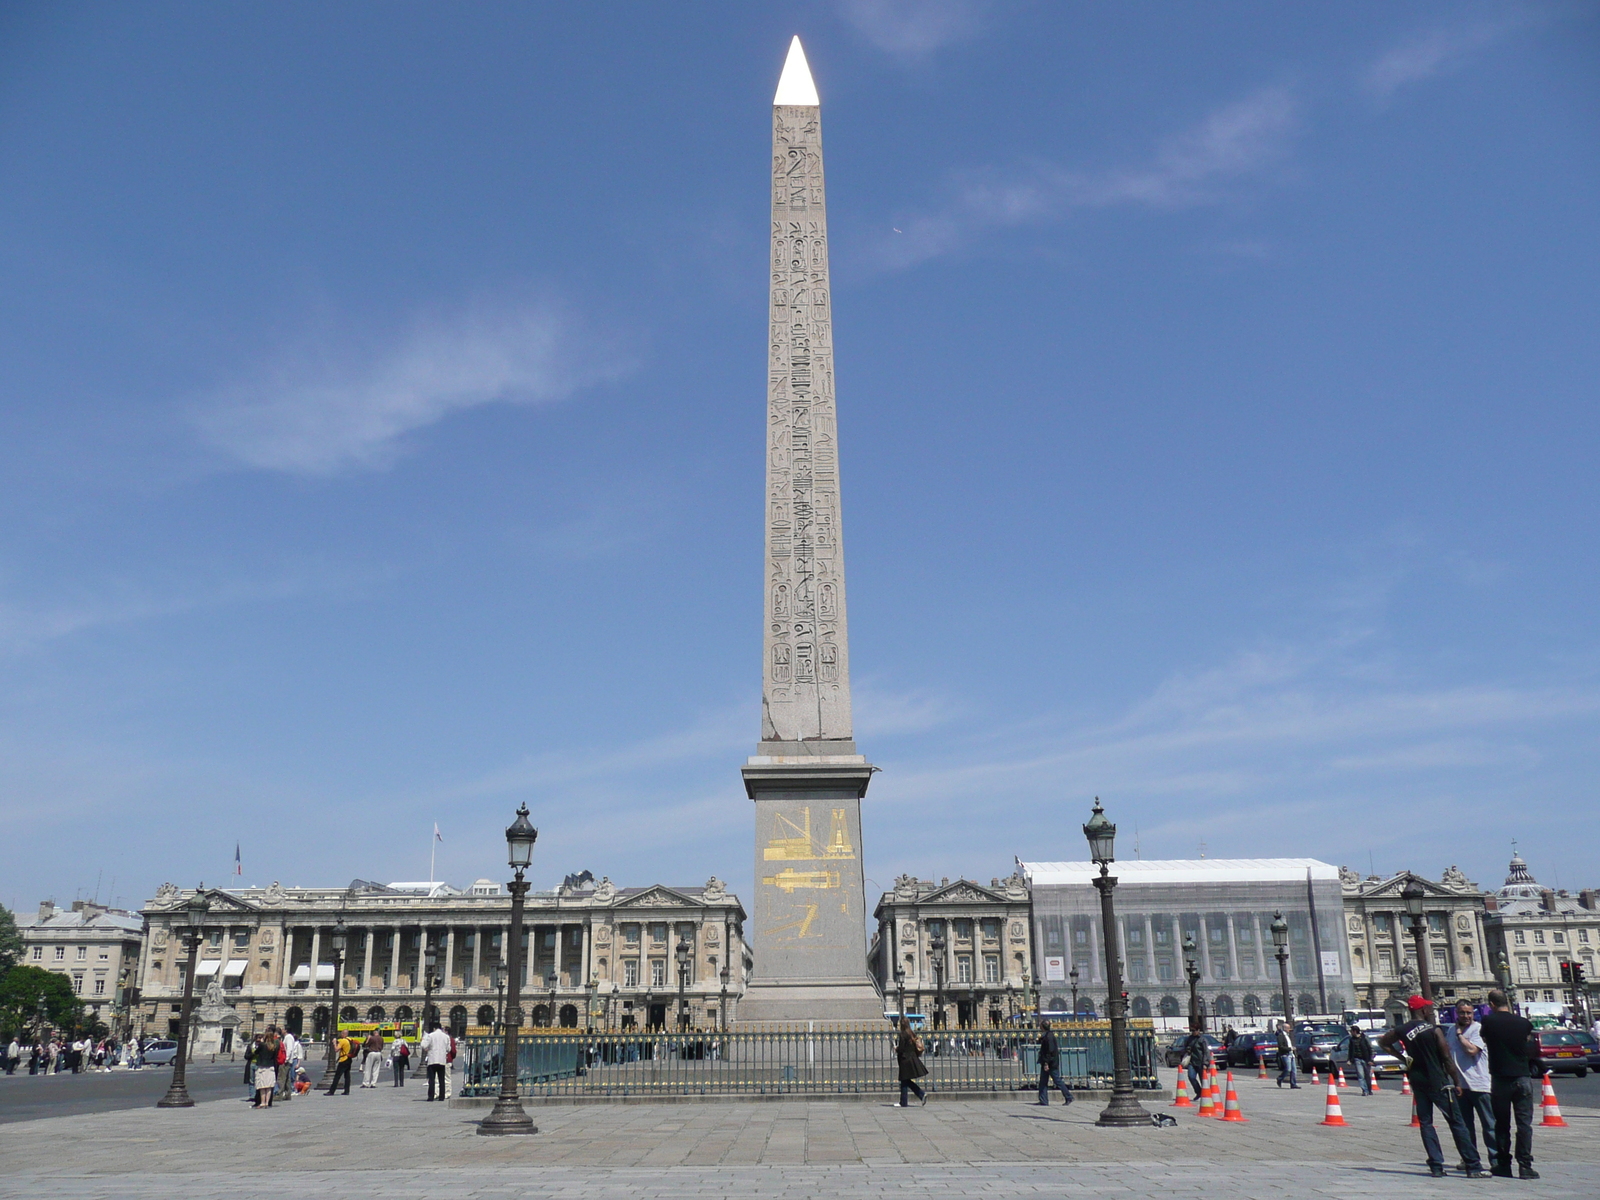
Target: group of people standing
[[908, 1051], [436, 1047], [53, 1055]]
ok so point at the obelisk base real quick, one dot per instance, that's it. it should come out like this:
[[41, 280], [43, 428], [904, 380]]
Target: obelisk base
[[808, 919]]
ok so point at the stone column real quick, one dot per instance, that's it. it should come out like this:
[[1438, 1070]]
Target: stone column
[[449, 937], [288, 957], [366, 969], [316, 958], [561, 932], [394, 956], [477, 956], [587, 959]]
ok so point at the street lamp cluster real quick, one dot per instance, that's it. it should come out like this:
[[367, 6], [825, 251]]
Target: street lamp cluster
[[1123, 1110]]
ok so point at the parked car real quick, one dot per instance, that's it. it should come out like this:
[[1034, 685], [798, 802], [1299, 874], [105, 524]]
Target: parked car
[[160, 1053], [1562, 1052], [1250, 1049], [1314, 1046], [1174, 1052], [1590, 1045], [1383, 1063]]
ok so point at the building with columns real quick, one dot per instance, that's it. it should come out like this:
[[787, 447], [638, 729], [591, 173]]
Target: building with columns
[[95, 946], [1383, 951], [960, 943], [593, 954], [1225, 906], [1537, 929]]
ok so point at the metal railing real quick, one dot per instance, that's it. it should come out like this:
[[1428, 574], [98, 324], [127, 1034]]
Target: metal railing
[[814, 1059]]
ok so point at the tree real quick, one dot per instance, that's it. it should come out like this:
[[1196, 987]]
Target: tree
[[10, 941], [31, 994]]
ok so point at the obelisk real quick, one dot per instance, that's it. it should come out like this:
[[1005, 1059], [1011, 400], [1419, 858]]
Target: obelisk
[[806, 778]]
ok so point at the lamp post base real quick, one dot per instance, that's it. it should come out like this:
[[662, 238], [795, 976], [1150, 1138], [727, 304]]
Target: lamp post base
[[507, 1117], [1123, 1111], [177, 1097]]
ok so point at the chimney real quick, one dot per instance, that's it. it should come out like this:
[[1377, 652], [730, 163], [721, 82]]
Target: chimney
[[47, 909], [1491, 904], [1547, 898], [1589, 898]]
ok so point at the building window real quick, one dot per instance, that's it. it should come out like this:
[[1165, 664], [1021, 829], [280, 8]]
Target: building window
[[83, 953], [1519, 937], [630, 972], [61, 953], [963, 968], [1583, 935], [1558, 937], [1135, 935], [1524, 970], [1380, 922], [38, 953], [1385, 961], [1247, 966], [1080, 937], [1538, 937], [1137, 969], [241, 938], [1544, 966], [99, 987], [658, 972], [1163, 935], [963, 927], [105, 955], [1217, 933], [1244, 931], [658, 932], [630, 934], [1164, 970], [1219, 968], [1439, 961], [1549, 997], [1466, 956], [77, 984], [216, 937], [991, 929], [1358, 955], [1435, 922], [991, 968], [1302, 966]]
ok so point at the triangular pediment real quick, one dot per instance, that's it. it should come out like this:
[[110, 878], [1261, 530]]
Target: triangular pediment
[[962, 891], [656, 896], [1391, 888], [221, 901]]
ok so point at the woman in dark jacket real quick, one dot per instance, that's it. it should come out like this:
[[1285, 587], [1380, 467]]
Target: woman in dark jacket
[[908, 1054]]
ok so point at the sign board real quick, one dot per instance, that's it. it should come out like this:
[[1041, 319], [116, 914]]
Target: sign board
[[1055, 968], [1330, 962]]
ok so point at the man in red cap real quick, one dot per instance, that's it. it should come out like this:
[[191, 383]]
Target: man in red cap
[[1435, 1083]]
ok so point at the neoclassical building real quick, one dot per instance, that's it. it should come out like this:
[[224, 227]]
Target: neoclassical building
[[1537, 929], [961, 941], [1383, 952], [593, 954], [95, 946]]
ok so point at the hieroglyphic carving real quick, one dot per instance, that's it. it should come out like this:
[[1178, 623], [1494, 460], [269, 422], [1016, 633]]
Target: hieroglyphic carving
[[806, 693]]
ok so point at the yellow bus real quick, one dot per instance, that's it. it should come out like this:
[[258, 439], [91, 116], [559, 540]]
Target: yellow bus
[[359, 1030]]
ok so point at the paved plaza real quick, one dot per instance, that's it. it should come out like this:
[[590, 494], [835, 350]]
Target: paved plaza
[[389, 1142]]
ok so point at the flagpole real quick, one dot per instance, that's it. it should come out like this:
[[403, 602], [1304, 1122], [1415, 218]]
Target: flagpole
[[433, 847]]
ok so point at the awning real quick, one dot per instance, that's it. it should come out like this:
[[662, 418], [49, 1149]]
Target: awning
[[236, 966], [302, 973], [205, 969]]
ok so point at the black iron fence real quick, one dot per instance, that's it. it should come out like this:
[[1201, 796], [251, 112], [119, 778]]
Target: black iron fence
[[803, 1059]]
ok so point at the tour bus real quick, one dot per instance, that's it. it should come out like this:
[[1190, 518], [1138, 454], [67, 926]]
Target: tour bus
[[358, 1030]]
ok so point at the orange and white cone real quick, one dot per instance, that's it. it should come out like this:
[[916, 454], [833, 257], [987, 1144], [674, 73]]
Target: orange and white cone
[[1552, 1110], [1181, 1100], [1231, 1110], [1415, 1123], [1207, 1105], [1405, 1085], [1315, 1082], [1261, 1063], [1334, 1115], [1342, 1083]]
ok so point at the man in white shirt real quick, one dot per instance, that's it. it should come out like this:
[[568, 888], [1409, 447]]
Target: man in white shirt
[[1472, 1060], [436, 1056], [292, 1053]]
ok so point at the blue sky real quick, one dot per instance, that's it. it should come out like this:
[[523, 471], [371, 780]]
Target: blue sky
[[381, 399]]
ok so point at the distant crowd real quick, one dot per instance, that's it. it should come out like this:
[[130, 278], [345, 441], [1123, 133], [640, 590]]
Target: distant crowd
[[57, 1055]]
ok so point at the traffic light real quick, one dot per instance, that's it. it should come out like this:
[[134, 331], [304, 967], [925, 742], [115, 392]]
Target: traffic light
[[1566, 971], [1577, 975]]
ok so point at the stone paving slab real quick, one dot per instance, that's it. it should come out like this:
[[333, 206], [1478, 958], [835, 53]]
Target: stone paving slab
[[389, 1142]]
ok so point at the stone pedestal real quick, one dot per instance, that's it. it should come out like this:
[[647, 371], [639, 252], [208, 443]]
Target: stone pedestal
[[808, 915], [209, 1022]]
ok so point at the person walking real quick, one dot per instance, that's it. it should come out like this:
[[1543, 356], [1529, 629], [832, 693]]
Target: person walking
[[908, 1058], [1435, 1081], [399, 1057], [250, 1070], [286, 1069], [371, 1059], [1196, 1054], [1465, 1039], [13, 1056], [436, 1057], [1050, 1066], [1361, 1057], [1288, 1061], [265, 1053], [1514, 1063], [344, 1052]]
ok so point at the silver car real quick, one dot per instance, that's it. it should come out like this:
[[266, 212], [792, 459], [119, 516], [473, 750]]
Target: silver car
[[160, 1053]]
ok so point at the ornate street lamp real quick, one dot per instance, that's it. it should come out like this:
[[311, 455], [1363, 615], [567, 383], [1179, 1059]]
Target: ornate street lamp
[[338, 941], [1502, 971], [1027, 994], [508, 1115], [1415, 896], [1073, 977], [430, 959], [937, 946], [178, 1093], [551, 980], [590, 987], [498, 971], [1191, 972], [1123, 1110], [722, 1007], [683, 982], [1280, 939], [900, 984]]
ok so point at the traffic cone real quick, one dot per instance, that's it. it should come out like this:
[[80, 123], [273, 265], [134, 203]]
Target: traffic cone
[[1333, 1116], [1415, 1124], [1342, 1083], [1315, 1082], [1207, 1105], [1231, 1110], [1261, 1064], [1405, 1085], [1182, 1099], [1552, 1110], [1216, 1095]]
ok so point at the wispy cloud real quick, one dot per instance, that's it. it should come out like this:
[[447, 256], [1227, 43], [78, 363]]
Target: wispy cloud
[[323, 408], [913, 29], [1187, 169], [1433, 52]]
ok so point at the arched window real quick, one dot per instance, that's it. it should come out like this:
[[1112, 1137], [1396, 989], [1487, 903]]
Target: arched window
[[541, 1014], [375, 1013], [486, 1015], [1085, 1006], [430, 1014], [458, 1020], [294, 1020], [1169, 1006], [1058, 1004], [319, 1023], [569, 1016], [347, 1013], [1308, 1003], [1252, 1005], [404, 1013], [1224, 1006], [1141, 1006]]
